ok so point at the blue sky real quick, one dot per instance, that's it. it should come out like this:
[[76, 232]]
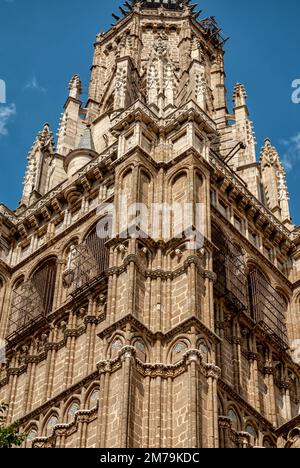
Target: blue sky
[[42, 44]]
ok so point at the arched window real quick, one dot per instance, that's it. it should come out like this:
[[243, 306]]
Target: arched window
[[232, 414], [91, 258], [32, 434], [94, 398], [50, 425], [267, 307], [43, 281], [95, 243], [250, 429], [72, 410], [229, 266]]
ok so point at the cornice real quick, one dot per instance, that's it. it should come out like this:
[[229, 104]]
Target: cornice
[[164, 371], [159, 273], [230, 177], [153, 336]]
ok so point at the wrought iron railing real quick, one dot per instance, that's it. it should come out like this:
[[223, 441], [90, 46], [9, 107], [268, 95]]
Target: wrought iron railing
[[26, 308], [90, 261], [32, 300], [268, 308], [231, 275]]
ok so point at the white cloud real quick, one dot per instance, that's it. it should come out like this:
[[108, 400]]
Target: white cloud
[[6, 113], [292, 152], [34, 85]]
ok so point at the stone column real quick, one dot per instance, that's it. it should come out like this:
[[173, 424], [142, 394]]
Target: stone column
[[225, 427], [127, 358], [213, 375], [271, 410]]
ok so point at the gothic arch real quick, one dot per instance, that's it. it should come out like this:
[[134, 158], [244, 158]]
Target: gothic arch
[[199, 181], [117, 338], [126, 170], [125, 183], [250, 423], [92, 389], [176, 174], [182, 341], [146, 186], [143, 244], [66, 246], [47, 430], [181, 245], [142, 348], [43, 278], [70, 408], [18, 281], [32, 432], [94, 241], [147, 169], [205, 348], [234, 414], [41, 263], [252, 265]]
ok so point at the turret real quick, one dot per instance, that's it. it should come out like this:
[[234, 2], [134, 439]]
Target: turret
[[82, 155], [70, 127]]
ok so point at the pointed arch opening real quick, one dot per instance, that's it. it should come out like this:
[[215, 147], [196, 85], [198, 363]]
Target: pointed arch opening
[[230, 268], [268, 307], [90, 260]]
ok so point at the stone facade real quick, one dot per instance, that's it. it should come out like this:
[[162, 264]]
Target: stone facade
[[152, 341]]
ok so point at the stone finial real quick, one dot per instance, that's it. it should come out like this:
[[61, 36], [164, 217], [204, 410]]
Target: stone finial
[[75, 87], [239, 95]]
